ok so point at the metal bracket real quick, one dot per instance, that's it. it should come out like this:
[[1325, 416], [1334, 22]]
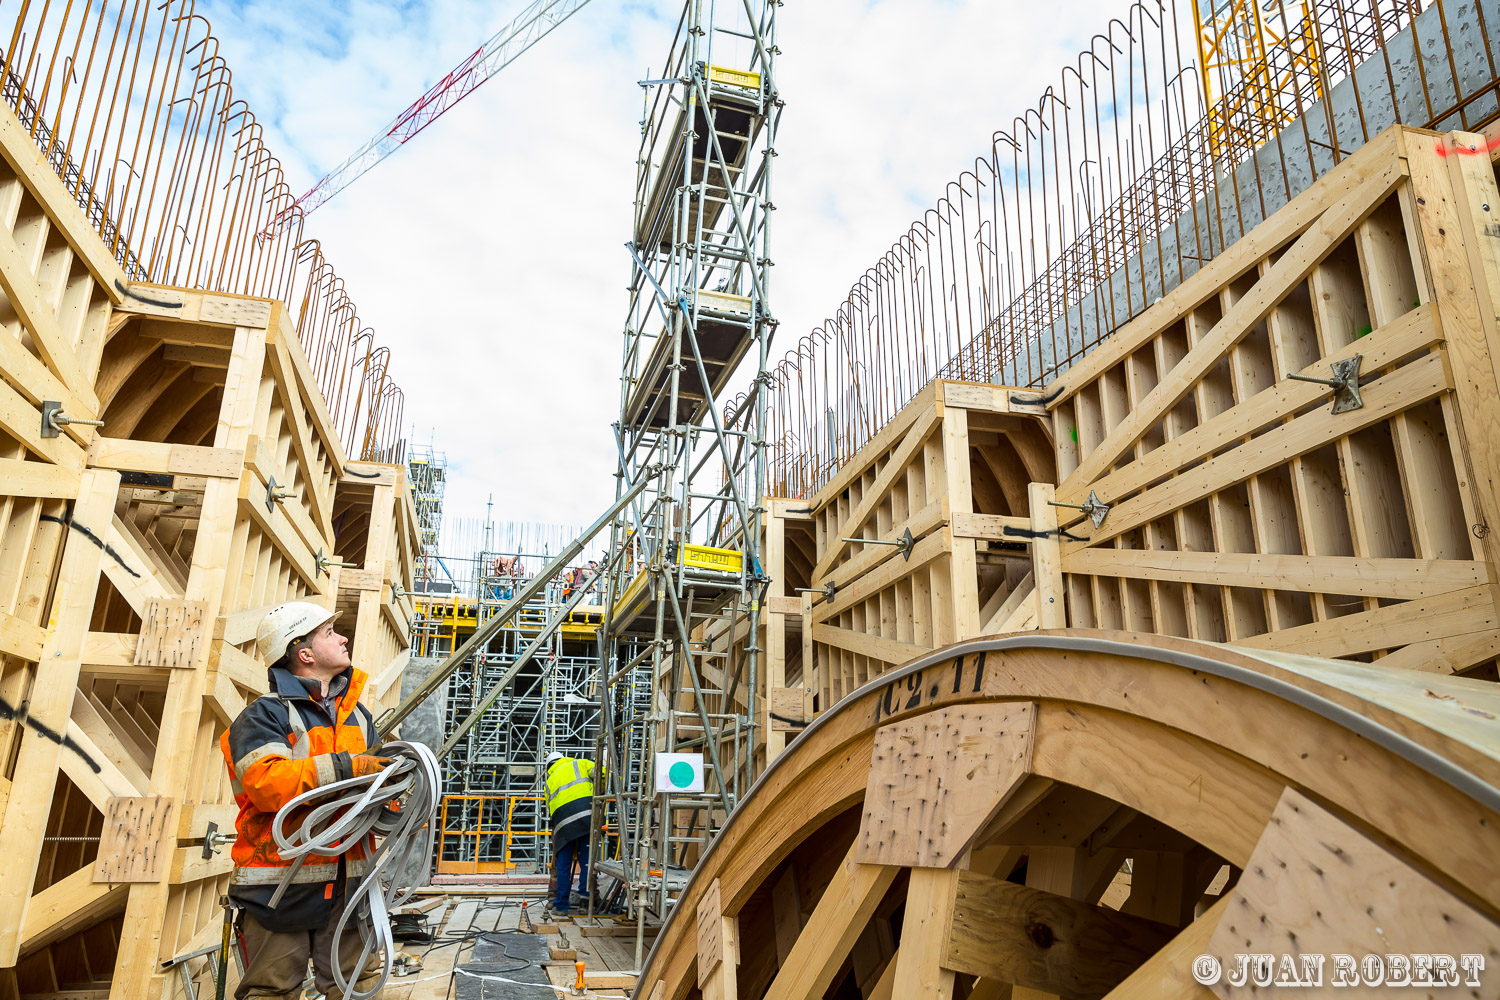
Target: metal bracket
[[1096, 509], [1345, 383], [323, 562], [828, 591], [904, 543], [54, 419], [213, 839], [276, 494]]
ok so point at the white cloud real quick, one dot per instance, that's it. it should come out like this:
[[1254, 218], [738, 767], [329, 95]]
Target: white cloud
[[488, 252]]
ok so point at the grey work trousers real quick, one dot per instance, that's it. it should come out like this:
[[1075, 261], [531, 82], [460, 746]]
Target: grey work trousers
[[276, 961]]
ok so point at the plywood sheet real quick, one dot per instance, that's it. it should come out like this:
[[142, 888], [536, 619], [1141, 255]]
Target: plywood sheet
[[171, 632], [1316, 886], [935, 780], [788, 710], [135, 844], [710, 936]]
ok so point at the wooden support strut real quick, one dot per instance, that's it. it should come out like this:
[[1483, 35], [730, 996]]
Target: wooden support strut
[[1042, 940], [900, 456], [146, 907], [51, 703], [115, 722], [824, 942], [1292, 267], [1456, 205]]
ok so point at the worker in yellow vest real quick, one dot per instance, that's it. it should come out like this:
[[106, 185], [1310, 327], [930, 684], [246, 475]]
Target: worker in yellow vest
[[570, 800]]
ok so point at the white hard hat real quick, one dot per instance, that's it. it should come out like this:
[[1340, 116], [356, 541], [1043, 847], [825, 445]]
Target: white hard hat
[[285, 624], [554, 757]]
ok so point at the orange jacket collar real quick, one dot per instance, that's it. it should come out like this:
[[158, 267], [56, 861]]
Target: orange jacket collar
[[289, 685]]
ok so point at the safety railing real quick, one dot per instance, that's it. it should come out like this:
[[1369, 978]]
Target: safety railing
[[479, 835]]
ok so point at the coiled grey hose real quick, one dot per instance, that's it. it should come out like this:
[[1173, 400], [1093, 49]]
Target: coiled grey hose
[[341, 815]]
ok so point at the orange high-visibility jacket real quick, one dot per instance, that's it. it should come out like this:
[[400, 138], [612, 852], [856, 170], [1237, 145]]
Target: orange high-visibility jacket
[[283, 744]]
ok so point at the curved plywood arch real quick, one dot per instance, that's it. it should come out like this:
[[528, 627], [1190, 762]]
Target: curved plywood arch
[[1196, 751], [141, 394], [123, 357], [163, 419], [198, 425]]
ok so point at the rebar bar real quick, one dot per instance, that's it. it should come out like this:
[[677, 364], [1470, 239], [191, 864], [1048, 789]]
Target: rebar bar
[[1129, 173], [134, 109]]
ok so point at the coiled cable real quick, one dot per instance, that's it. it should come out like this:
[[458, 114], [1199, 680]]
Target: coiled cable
[[338, 816]]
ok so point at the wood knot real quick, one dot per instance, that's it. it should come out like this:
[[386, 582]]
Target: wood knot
[[1041, 935]]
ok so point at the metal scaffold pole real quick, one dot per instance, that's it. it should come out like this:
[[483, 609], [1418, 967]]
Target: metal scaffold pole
[[683, 599]]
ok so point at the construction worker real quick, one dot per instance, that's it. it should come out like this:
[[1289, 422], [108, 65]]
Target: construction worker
[[570, 801], [310, 730]]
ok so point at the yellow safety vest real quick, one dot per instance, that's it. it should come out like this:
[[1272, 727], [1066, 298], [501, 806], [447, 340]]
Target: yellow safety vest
[[568, 780]]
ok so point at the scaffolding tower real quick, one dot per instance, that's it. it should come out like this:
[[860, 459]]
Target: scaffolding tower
[[697, 329]]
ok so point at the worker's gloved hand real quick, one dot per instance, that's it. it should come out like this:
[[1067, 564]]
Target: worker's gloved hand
[[367, 764]]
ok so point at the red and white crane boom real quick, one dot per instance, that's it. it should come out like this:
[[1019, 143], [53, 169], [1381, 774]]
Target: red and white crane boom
[[524, 31]]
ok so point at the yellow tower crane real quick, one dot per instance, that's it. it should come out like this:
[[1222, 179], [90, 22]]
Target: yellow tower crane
[[1254, 56]]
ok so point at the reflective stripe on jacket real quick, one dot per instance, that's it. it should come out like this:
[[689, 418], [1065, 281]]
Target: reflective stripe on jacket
[[283, 744], [570, 792]]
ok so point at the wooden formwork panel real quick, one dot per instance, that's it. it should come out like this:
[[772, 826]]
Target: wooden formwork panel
[[135, 562], [1242, 508], [952, 470], [57, 287], [783, 690], [375, 528], [1084, 814]]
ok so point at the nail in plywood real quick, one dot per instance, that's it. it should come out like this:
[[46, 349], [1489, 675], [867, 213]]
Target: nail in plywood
[[134, 846], [1343, 894], [935, 780], [171, 631]]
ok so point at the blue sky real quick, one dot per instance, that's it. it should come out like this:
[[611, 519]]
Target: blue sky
[[487, 253]]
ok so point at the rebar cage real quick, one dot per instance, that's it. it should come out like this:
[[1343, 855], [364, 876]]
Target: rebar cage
[[1180, 127], [134, 108]]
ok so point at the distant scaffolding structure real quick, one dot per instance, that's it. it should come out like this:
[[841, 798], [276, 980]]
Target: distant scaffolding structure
[[427, 471], [691, 564], [494, 817]]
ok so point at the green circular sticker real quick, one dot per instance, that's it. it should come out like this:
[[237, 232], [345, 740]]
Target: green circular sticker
[[680, 774]]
